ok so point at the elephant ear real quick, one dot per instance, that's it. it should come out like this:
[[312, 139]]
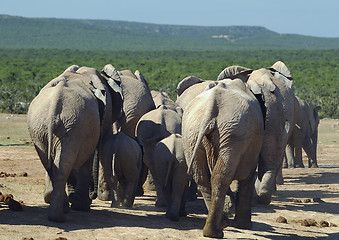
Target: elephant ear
[[281, 72], [163, 165], [313, 117], [139, 76], [259, 79], [186, 83], [113, 78], [233, 72], [148, 131], [72, 68]]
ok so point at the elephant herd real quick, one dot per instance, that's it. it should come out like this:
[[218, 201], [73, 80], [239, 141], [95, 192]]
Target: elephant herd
[[101, 133]]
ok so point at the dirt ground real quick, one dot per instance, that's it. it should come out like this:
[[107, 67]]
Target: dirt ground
[[307, 196]]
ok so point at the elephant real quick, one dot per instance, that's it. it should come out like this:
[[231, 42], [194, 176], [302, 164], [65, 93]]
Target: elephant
[[188, 89], [170, 170], [304, 136], [222, 134], [152, 128], [67, 122], [272, 87], [121, 161], [162, 98], [137, 101]]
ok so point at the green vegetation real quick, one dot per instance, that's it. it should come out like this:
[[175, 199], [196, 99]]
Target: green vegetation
[[24, 72], [51, 33]]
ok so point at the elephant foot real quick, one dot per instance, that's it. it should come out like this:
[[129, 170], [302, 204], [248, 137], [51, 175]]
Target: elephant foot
[[47, 196], [225, 222], [66, 206], [241, 224], [93, 195], [115, 204], [160, 203], [127, 204], [299, 166], [81, 205], [210, 230], [264, 200], [182, 213], [104, 196], [139, 192], [56, 216], [172, 216]]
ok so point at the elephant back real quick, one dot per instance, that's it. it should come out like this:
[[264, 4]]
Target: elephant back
[[190, 93]]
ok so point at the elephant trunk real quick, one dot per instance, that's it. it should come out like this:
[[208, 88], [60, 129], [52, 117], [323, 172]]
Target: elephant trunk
[[93, 186], [311, 150]]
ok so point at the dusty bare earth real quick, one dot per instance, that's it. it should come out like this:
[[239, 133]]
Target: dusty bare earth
[[307, 194]]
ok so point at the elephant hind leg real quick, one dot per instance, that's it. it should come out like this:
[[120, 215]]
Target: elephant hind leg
[[81, 200], [243, 202], [221, 179]]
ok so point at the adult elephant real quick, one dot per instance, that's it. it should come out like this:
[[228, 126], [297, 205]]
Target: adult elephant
[[67, 121], [273, 88], [304, 136], [137, 101], [152, 128], [222, 131]]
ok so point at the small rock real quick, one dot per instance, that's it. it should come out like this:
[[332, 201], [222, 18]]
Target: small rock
[[333, 225], [24, 174], [323, 223], [295, 200], [307, 200], [317, 199], [281, 219]]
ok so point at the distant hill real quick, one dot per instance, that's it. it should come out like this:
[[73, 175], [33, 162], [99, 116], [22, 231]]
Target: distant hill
[[51, 33]]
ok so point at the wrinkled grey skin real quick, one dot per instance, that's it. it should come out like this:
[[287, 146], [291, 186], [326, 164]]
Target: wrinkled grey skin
[[188, 89], [170, 170], [137, 101], [66, 122], [222, 131], [272, 86], [304, 136], [152, 128], [121, 161]]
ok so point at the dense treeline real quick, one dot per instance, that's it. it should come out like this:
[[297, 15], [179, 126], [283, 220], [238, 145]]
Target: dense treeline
[[24, 72]]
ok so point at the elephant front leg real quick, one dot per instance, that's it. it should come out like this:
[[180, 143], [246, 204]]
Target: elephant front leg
[[103, 190], [298, 157], [265, 187]]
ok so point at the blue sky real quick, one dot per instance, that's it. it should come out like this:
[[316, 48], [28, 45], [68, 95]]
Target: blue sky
[[306, 17]]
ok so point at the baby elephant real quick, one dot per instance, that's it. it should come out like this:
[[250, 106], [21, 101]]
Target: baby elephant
[[171, 173], [121, 161]]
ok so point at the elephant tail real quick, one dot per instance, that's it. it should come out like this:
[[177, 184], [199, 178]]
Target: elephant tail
[[53, 122], [205, 128]]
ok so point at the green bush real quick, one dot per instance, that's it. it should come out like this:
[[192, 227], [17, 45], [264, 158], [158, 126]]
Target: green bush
[[24, 72]]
